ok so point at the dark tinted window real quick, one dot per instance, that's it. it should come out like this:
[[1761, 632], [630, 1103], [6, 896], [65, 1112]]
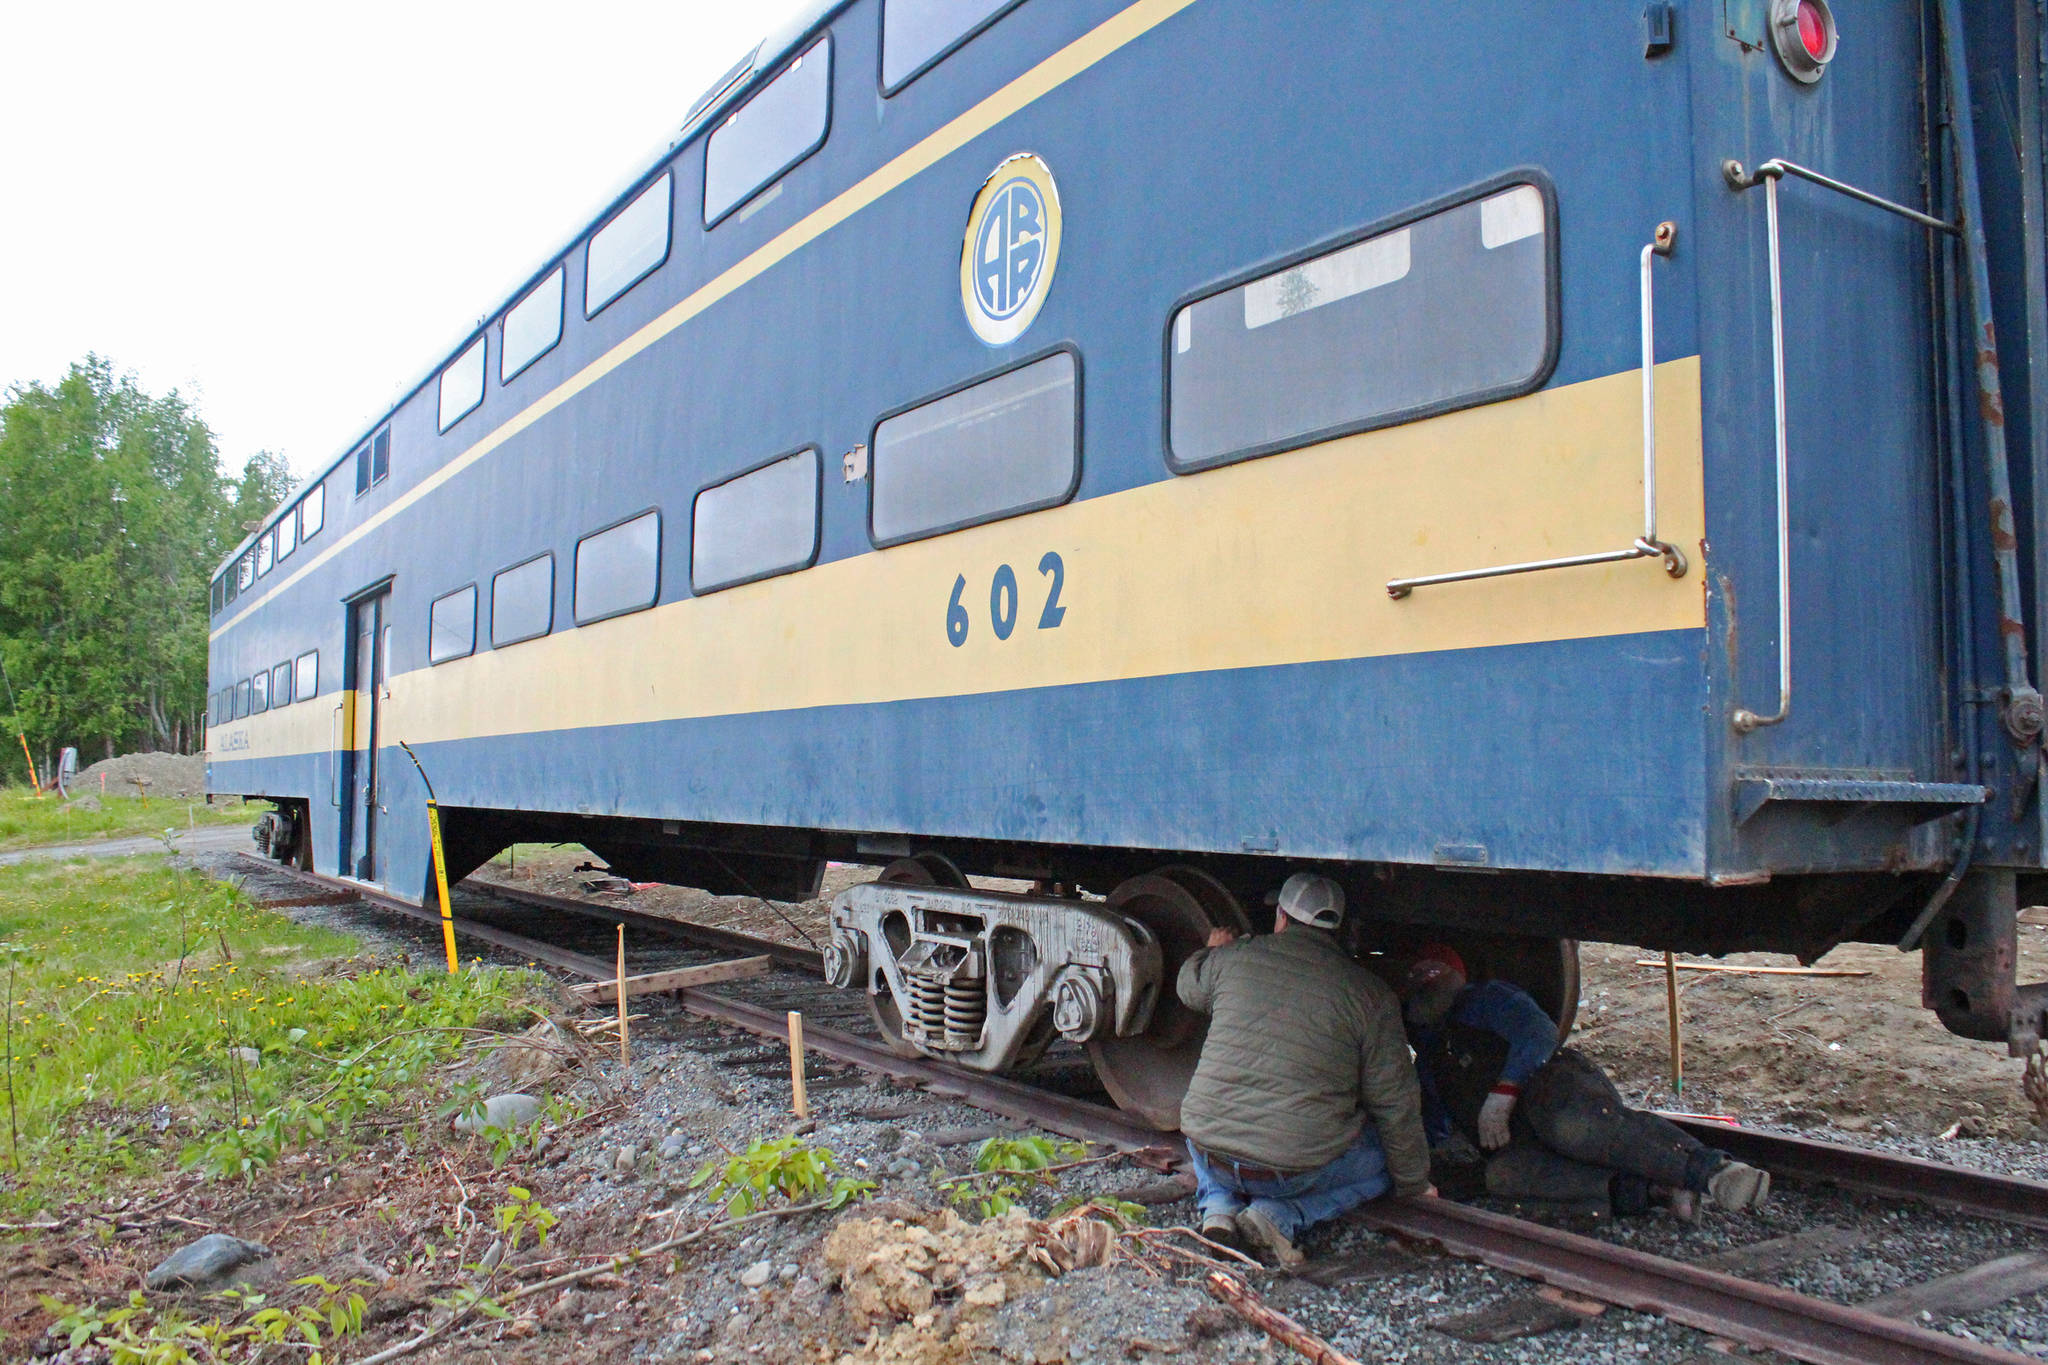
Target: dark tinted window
[[1450, 310], [281, 685], [220, 594], [362, 471], [778, 126], [634, 242], [1005, 445], [618, 570], [380, 452], [306, 675], [523, 601], [451, 629], [761, 523], [915, 32]]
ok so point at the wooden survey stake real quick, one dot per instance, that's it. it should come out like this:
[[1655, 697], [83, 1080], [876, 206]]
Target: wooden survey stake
[[1671, 1007], [796, 1063], [625, 1049]]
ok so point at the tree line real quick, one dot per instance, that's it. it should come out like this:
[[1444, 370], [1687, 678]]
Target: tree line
[[114, 510]]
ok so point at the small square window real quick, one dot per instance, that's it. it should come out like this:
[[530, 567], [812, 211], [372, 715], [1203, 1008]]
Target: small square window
[[451, 626], [462, 388], [306, 676], [618, 569], [281, 685]]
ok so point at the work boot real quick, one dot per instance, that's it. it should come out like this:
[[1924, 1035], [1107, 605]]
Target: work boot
[[1263, 1233], [1736, 1186], [1221, 1228]]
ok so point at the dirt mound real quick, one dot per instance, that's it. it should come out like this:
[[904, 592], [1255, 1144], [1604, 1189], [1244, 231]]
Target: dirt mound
[[174, 777]]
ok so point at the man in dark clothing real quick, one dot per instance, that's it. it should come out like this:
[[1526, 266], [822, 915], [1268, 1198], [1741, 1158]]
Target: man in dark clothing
[[1304, 1103], [1490, 1067]]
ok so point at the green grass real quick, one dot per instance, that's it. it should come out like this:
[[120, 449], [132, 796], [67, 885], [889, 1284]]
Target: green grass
[[133, 984], [28, 820]]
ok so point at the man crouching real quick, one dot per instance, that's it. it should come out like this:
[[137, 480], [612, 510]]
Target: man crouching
[[1304, 1104]]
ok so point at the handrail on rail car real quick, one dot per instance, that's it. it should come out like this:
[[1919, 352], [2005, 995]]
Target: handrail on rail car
[[1768, 175], [1647, 545]]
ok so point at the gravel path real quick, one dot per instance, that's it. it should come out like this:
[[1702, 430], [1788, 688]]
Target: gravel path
[[214, 839]]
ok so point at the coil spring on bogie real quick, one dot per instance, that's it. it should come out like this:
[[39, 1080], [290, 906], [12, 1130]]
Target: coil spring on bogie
[[926, 1008], [966, 1011]]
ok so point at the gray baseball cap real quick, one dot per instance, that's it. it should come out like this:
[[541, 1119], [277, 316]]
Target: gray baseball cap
[[1311, 899]]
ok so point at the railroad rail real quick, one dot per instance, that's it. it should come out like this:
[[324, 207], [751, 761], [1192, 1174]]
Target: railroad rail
[[1727, 1306]]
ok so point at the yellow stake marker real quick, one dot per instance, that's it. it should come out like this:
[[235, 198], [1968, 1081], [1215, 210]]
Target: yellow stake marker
[[796, 1063], [33, 781], [1671, 1008], [440, 862]]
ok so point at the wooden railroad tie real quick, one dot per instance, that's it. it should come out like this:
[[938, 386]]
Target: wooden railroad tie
[[682, 978]]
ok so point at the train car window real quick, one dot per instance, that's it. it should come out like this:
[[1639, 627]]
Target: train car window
[[259, 693], [780, 124], [266, 552], [233, 580], [462, 388], [918, 34], [313, 511], [523, 601], [1452, 308], [618, 569], [451, 626], [629, 247], [242, 700], [380, 455], [760, 523], [306, 675], [363, 470], [287, 534], [532, 327], [219, 594], [1004, 445], [281, 685]]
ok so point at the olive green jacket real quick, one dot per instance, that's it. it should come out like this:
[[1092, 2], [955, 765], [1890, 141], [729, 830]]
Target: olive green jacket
[[1305, 1048]]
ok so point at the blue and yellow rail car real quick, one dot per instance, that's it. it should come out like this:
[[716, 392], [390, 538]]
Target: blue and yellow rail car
[[1547, 466]]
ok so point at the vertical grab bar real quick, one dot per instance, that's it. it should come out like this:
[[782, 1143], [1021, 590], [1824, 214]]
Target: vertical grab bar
[[334, 758], [1744, 719], [1768, 175], [1646, 546]]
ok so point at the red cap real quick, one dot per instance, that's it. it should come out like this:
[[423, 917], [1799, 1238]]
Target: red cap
[[1433, 961]]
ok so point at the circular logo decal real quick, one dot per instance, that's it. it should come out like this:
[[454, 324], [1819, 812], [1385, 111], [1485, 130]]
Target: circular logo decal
[[1013, 243]]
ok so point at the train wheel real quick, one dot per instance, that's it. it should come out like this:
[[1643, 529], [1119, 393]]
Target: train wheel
[[1147, 1075], [925, 869]]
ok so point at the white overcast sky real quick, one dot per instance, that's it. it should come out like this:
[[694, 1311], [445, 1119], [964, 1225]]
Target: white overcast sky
[[287, 212]]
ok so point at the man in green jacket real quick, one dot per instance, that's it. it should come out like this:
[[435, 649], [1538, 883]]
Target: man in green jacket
[[1304, 1104]]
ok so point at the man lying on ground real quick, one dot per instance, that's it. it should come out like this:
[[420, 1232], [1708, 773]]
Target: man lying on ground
[[1558, 1130]]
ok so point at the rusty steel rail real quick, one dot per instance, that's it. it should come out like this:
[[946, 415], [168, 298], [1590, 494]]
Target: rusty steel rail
[[803, 959], [1757, 1315], [1981, 1194]]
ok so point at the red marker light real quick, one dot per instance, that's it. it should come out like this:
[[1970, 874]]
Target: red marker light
[[1803, 32], [1813, 30]]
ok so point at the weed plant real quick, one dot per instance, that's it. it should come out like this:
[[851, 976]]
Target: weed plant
[[156, 1014]]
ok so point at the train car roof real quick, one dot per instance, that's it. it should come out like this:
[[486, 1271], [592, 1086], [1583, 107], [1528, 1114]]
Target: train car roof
[[728, 90]]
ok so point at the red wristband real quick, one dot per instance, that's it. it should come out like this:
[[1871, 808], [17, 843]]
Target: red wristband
[[1508, 1088]]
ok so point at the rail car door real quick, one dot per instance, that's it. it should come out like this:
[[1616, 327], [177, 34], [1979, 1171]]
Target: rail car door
[[362, 697]]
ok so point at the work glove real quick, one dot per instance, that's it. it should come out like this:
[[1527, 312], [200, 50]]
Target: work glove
[[1494, 1114]]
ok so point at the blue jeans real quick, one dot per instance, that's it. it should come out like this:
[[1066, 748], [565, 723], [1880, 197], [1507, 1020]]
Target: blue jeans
[[1299, 1202]]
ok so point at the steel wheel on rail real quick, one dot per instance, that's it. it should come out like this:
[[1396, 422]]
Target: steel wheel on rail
[[1147, 1075], [924, 869]]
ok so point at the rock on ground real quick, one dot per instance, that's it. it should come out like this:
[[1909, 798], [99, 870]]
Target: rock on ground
[[205, 1264]]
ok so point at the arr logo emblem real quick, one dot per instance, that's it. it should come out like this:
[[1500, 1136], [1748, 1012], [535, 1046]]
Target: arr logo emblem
[[1012, 246]]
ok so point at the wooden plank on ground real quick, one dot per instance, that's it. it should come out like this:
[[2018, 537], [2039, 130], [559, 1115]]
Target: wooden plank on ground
[[1737, 969], [1967, 1291], [682, 978]]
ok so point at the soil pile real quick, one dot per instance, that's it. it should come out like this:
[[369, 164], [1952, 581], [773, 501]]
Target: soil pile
[[173, 777]]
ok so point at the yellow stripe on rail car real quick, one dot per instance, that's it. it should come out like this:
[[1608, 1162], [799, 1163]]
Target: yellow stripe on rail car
[[1281, 560], [1041, 80]]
